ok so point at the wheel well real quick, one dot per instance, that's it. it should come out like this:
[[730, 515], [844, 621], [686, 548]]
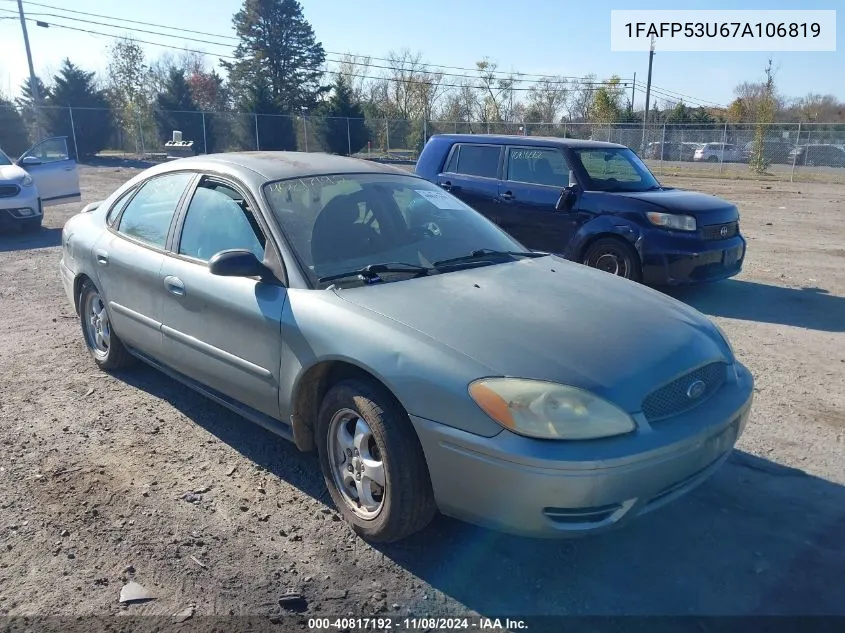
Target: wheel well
[[311, 390], [77, 288]]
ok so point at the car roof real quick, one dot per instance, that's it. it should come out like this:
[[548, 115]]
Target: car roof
[[534, 141], [272, 165]]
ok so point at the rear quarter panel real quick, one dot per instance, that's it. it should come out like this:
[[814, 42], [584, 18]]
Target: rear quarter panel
[[433, 157]]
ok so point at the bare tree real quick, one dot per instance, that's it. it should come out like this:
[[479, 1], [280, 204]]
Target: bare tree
[[547, 99], [581, 100]]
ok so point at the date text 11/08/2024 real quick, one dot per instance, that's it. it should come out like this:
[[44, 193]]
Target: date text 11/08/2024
[[415, 624]]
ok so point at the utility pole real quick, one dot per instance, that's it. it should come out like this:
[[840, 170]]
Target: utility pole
[[633, 93], [648, 88], [33, 83]]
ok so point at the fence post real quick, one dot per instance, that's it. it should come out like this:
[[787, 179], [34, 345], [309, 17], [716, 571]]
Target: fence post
[[722, 153], [73, 133], [425, 130], [257, 142], [204, 137], [795, 155], [140, 133], [663, 141], [305, 131], [348, 136], [387, 134]]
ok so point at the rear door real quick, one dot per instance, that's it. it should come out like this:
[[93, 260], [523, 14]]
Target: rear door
[[224, 332], [53, 170], [130, 254], [534, 178], [472, 174]]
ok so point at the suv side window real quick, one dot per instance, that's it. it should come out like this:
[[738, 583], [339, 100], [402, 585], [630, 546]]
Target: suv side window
[[478, 160], [219, 219], [537, 166], [117, 207], [148, 215]]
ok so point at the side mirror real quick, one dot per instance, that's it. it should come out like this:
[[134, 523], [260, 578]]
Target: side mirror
[[28, 161], [237, 263], [566, 199]]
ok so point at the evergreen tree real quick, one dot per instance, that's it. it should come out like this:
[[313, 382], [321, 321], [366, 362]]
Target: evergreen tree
[[14, 139], [274, 127], [176, 110], [342, 127], [76, 89]]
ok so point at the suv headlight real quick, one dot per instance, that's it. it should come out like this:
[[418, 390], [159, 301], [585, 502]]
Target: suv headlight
[[548, 410], [26, 181], [671, 221]]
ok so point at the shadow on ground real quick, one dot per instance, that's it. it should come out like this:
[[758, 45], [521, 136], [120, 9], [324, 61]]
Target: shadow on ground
[[15, 240], [117, 161], [812, 308], [757, 538]]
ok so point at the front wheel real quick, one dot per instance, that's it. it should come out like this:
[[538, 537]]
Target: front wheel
[[613, 256], [373, 463], [106, 348]]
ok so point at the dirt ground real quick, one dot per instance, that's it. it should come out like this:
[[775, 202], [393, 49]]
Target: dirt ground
[[109, 478]]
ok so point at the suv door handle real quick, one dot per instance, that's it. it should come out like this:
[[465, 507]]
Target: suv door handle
[[102, 258], [446, 185], [507, 195], [174, 285]]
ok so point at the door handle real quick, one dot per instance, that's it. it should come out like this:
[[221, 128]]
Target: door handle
[[507, 195], [446, 185], [102, 258], [174, 285]]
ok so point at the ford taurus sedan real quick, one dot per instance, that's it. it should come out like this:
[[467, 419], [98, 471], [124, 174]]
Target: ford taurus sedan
[[431, 360]]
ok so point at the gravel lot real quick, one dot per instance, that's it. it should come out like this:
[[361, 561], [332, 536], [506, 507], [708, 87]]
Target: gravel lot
[[95, 470]]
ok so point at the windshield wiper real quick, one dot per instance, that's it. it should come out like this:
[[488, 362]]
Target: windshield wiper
[[371, 272], [486, 253]]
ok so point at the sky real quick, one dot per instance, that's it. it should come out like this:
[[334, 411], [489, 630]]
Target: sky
[[559, 37]]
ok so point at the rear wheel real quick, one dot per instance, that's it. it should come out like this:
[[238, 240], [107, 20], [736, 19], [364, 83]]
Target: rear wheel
[[613, 256], [713, 159], [106, 348], [373, 463]]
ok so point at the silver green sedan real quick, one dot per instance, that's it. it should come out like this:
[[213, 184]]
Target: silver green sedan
[[432, 361]]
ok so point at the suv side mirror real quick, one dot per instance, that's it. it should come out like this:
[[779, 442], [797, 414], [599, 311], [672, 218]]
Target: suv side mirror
[[237, 263], [29, 161], [566, 200]]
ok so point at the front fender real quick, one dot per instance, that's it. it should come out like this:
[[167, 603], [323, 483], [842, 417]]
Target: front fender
[[604, 225]]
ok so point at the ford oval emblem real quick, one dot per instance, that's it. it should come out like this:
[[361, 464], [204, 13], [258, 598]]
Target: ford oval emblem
[[696, 389], [723, 231]]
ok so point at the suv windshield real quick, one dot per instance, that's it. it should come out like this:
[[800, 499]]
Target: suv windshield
[[346, 222], [4, 160], [615, 169]]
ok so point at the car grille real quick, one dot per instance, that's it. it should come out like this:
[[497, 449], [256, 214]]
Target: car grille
[[672, 399], [9, 191], [714, 231]]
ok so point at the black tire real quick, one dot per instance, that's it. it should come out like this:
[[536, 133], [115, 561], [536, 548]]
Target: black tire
[[713, 159], [115, 355], [407, 502], [607, 251]]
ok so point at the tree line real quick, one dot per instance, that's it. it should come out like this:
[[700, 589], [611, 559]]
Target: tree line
[[279, 68]]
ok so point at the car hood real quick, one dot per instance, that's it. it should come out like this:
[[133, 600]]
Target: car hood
[[11, 173], [708, 209], [555, 320]]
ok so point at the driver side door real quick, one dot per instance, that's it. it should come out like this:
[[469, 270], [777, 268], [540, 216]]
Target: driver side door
[[223, 332], [53, 170]]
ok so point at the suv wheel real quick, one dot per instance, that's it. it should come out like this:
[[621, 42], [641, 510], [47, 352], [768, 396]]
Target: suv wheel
[[613, 256]]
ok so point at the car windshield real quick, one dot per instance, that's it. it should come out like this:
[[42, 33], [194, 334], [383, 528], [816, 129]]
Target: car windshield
[[615, 169], [4, 160], [343, 223]]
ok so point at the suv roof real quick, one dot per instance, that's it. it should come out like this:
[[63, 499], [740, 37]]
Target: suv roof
[[514, 139]]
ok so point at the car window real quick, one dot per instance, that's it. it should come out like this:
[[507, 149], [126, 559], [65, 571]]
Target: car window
[[118, 206], [537, 166], [218, 219], [339, 223], [479, 160], [452, 165], [50, 150], [615, 169], [147, 217]]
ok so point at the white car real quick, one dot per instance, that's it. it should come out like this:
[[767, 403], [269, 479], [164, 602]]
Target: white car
[[45, 175], [718, 152]]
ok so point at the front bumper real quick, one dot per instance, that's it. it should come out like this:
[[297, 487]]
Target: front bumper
[[562, 489], [670, 259], [24, 208]]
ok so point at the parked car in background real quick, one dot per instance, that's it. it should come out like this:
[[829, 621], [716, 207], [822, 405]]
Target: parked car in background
[[307, 293], [824, 155], [718, 152], [45, 175], [591, 202], [774, 150], [671, 150]]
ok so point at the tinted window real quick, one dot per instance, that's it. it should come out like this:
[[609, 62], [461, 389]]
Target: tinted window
[[615, 169], [479, 160], [217, 220], [339, 223], [147, 217], [452, 165], [538, 166]]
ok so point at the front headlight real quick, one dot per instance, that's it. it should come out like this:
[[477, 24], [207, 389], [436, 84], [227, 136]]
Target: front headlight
[[671, 221], [548, 410], [26, 181]]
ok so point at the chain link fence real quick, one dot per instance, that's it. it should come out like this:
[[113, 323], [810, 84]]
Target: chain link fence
[[792, 152]]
